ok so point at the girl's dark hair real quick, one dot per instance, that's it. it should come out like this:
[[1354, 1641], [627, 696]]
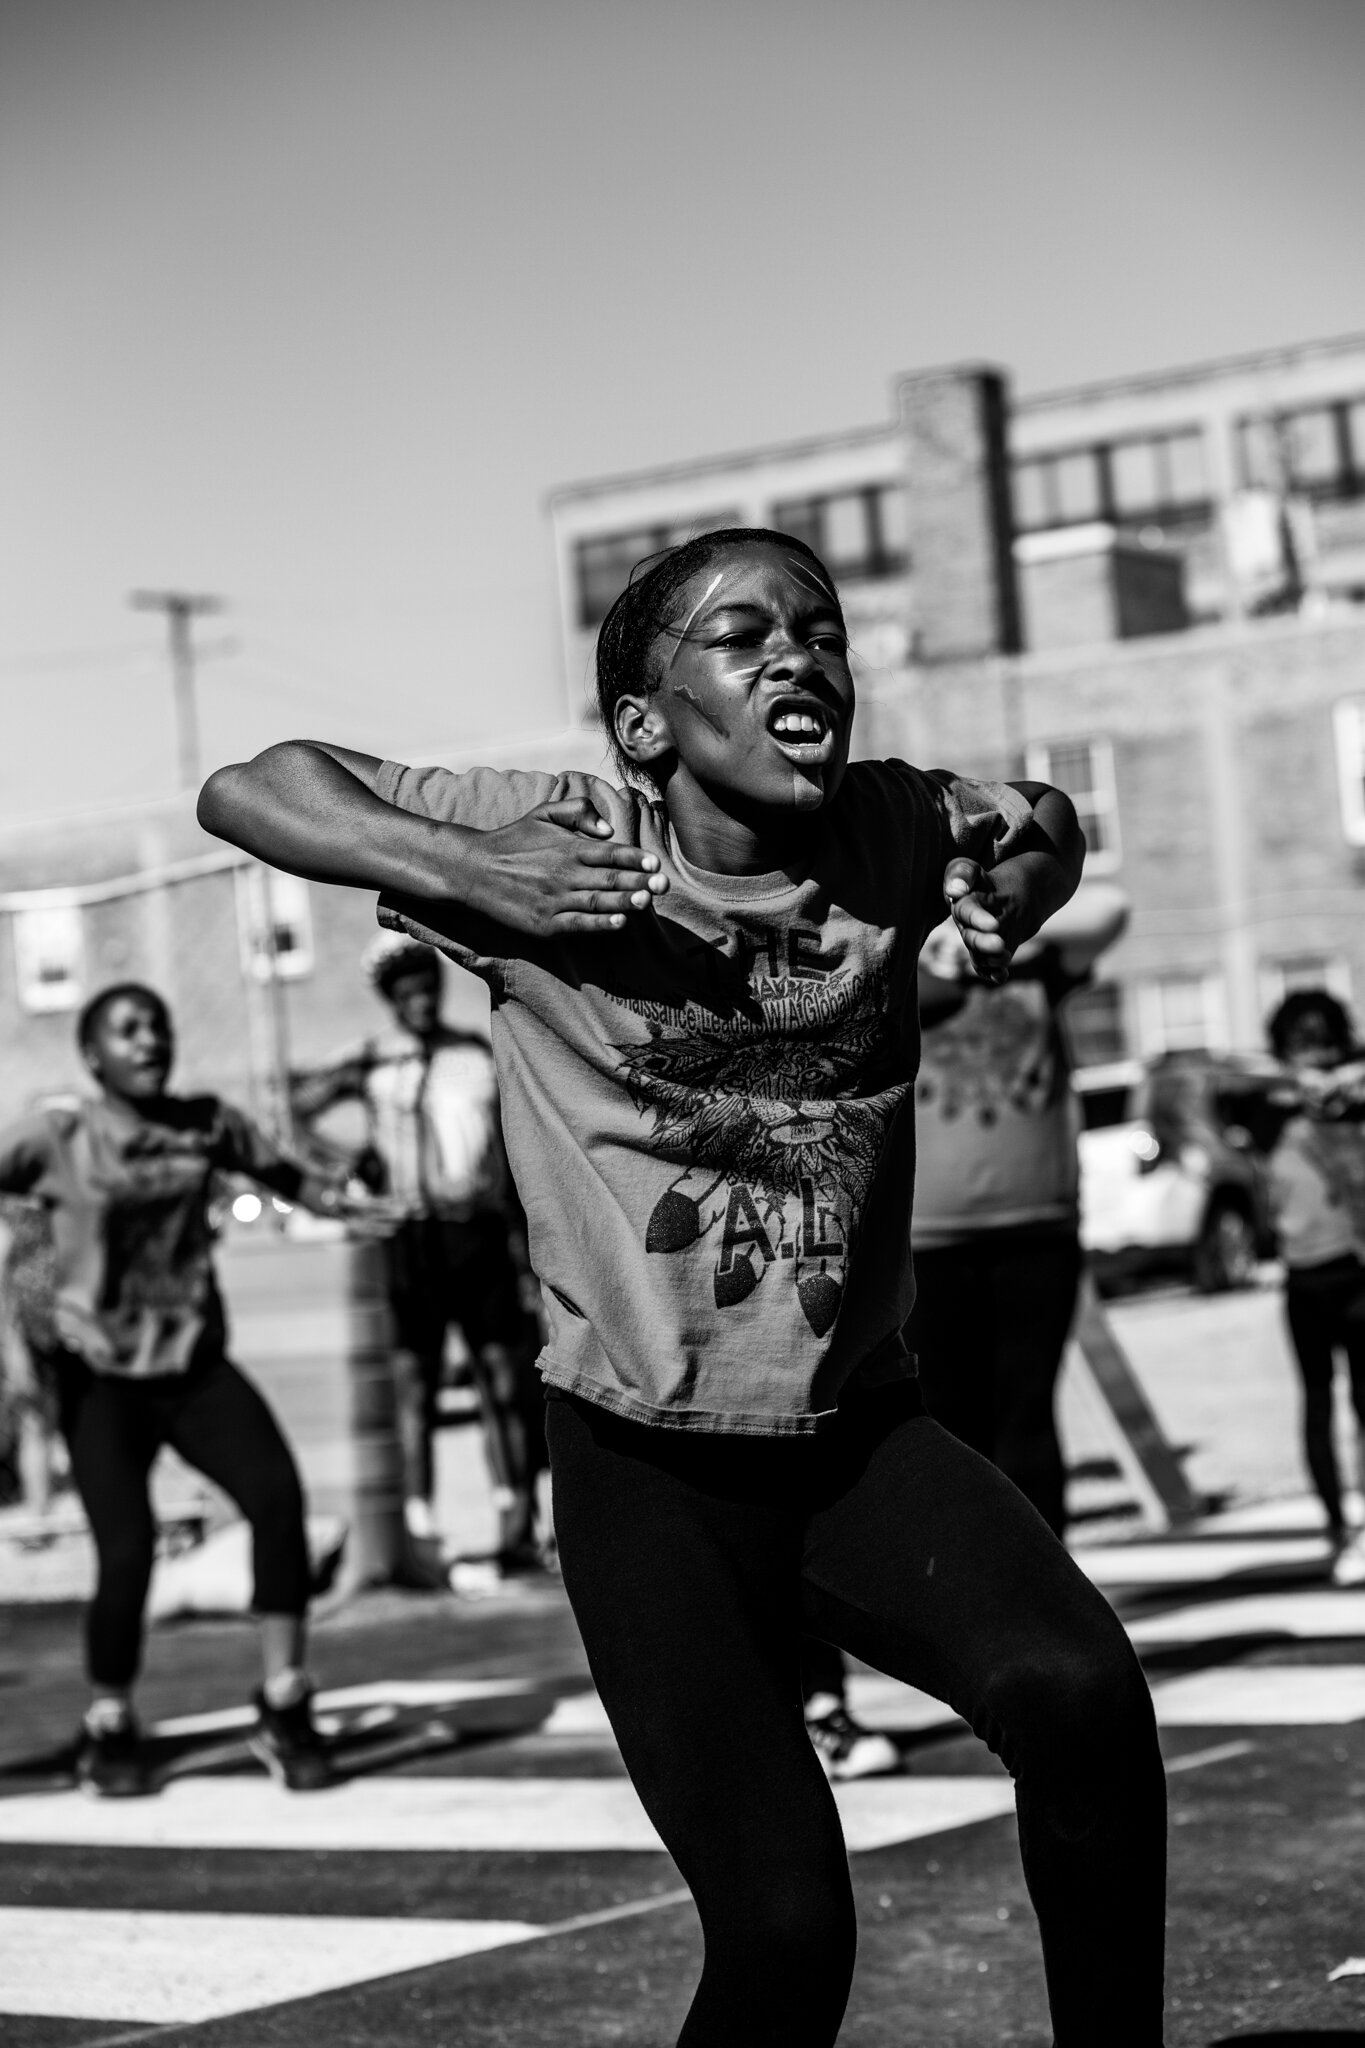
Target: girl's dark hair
[[649, 604], [92, 1016], [1311, 1002]]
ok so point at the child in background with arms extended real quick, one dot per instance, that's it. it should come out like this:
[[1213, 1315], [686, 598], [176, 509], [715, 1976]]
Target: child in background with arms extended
[[430, 1097], [705, 1024], [141, 1362]]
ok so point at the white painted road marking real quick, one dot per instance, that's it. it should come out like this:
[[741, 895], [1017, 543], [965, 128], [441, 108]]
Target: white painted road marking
[[1309, 1617], [453, 1814], [398, 1692], [170, 1968], [1199, 1563], [1262, 1696]]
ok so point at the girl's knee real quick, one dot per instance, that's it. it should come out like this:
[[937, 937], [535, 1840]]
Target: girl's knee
[[1080, 1703]]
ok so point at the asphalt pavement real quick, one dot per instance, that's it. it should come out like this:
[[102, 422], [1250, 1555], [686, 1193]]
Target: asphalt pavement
[[484, 1875]]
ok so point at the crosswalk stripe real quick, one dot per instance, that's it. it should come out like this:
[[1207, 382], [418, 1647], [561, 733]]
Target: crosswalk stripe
[[1315, 1616], [398, 1692], [400, 1815], [1263, 1696], [1199, 1563], [162, 1968]]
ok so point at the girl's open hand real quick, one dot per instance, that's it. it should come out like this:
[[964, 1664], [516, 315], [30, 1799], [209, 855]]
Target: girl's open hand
[[985, 917], [559, 870]]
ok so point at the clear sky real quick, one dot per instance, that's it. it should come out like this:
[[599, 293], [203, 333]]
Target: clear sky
[[310, 302]]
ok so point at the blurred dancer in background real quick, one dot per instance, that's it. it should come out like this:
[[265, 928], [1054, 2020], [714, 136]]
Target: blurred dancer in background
[[435, 1150], [997, 1245], [139, 1359], [1317, 1183]]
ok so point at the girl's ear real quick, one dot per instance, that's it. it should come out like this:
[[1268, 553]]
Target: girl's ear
[[642, 729]]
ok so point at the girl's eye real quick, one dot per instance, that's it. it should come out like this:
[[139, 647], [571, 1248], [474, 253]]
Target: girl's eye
[[830, 643]]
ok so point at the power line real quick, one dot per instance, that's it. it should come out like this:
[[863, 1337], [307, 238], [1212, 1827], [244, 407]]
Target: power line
[[180, 609]]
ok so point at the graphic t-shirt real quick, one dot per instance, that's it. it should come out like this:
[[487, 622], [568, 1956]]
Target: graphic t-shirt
[[432, 1109], [135, 1294], [709, 1114], [996, 1116]]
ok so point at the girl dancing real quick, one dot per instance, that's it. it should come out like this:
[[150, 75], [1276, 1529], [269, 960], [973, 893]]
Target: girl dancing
[[705, 1025]]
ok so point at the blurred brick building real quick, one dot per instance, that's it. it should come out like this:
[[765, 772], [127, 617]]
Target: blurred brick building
[[1151, 591]]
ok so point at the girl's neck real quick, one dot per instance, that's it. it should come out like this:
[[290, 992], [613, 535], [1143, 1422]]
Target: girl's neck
[[731, 840]]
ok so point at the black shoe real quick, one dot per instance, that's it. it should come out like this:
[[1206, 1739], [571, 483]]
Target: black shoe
[[288, 1744], [112, 1763]]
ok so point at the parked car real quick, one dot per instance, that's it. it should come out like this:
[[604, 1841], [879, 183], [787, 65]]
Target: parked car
[[1173, 1167]]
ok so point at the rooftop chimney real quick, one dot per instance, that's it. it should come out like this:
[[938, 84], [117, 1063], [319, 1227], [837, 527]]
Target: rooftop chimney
[[960, 529]]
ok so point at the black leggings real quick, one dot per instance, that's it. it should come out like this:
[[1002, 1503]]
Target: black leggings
[[695, 1563], [1325, 1307], [989, 1327], [218, 1423]]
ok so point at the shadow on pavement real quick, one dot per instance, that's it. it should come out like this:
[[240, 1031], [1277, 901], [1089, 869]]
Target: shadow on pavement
[[1322, 2037], [369, 1742]]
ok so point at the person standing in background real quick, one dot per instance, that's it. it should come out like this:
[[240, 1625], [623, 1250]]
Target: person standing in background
[[1317, 1191], [997, 1244], [435, 1150], [139, 1360]]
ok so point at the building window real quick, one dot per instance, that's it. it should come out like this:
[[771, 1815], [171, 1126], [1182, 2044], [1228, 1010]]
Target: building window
[[1095, 1025], [274, 923], [1348, 721], [1281, 978], [49, 957], [602, 564], [1085, 770], [1316, 452], [855, 533], [1182, 1013], [1159, 478]]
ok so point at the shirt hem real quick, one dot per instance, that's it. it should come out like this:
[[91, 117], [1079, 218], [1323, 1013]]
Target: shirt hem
[[935, 1236], [697, 1421]]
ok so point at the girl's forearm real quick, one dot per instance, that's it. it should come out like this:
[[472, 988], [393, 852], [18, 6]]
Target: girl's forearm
[[299, 808]]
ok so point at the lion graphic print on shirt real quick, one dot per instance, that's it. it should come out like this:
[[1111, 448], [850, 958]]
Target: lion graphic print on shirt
[[779, 1156], [709, 1116]]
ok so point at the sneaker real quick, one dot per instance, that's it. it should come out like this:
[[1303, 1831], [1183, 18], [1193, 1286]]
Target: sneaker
[[289, 1745], [112, 1763], [844, 1746], [1348, 1566]]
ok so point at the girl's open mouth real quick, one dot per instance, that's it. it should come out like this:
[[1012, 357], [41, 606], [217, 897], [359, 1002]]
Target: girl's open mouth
[[805, 732]]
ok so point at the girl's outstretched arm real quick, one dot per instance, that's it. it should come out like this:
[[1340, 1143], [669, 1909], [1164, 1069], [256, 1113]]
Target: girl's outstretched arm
[[312, 809], [997, 908]]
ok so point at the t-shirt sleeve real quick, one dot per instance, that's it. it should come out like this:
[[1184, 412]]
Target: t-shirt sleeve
[[482, 798], [25, 1153], [981, 821], [485, 799], [244, 1148]]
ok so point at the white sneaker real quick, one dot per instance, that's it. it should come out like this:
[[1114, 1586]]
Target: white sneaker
[[1348, 1567], [843, 1745]]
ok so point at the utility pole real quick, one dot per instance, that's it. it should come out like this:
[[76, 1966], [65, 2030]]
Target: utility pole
[[181, 609]]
